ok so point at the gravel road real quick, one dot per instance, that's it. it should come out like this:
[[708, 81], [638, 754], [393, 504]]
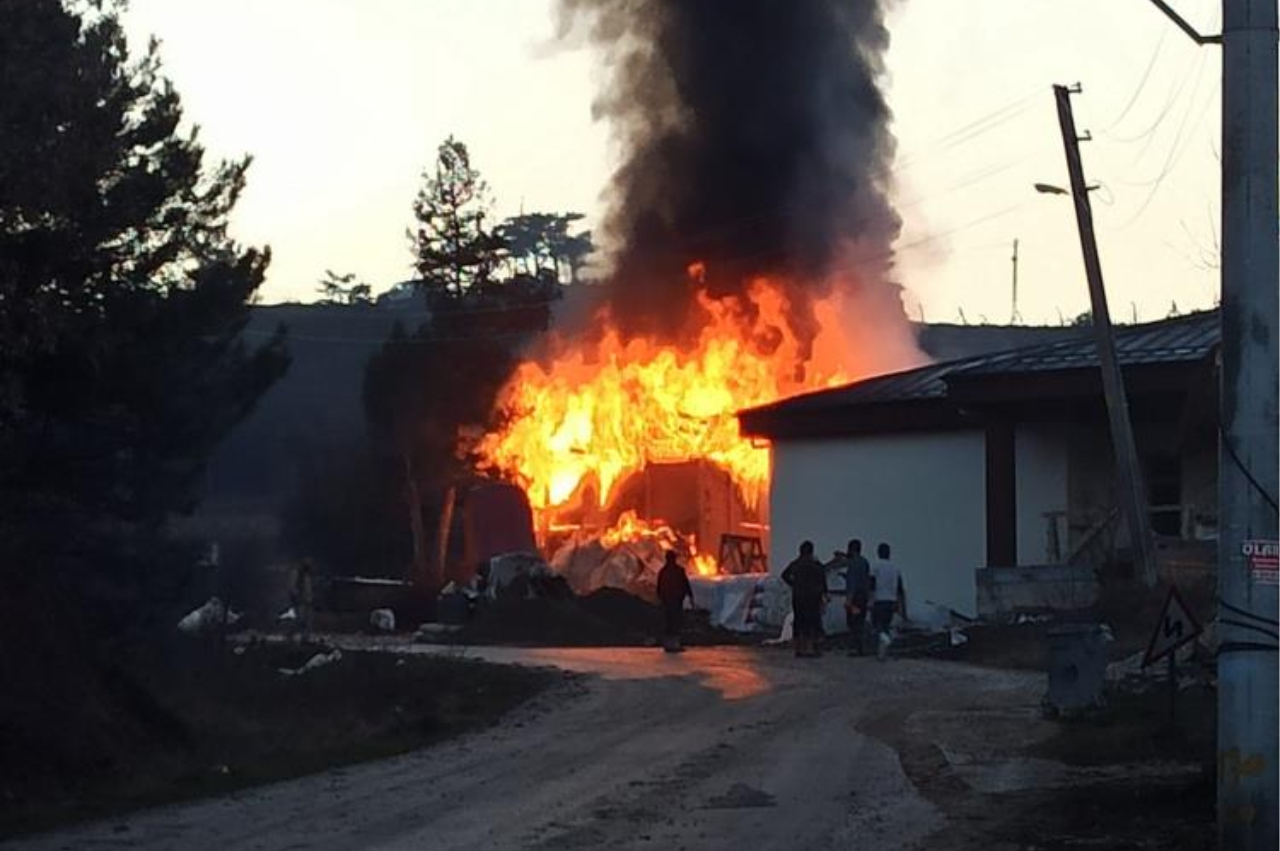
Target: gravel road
[[735, 748]]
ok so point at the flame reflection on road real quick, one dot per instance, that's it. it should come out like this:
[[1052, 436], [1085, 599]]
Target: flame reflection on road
[[734, 672]]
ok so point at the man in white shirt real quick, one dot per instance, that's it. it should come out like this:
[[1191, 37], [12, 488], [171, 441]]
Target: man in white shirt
[[887, 597]]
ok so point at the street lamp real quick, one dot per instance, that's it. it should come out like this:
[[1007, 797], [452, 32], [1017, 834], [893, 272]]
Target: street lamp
[[1050, 189]]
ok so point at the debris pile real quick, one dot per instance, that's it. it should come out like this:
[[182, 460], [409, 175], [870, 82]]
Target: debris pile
[[209, 618], [608, 617], [588, 564]]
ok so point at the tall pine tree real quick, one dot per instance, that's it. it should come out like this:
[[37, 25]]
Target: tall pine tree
[[122, 297]]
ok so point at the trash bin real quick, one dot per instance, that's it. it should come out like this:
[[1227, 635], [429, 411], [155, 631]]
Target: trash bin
[[1077, 665]]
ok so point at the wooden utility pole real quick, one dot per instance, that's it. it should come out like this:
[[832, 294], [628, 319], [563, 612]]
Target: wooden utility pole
[[1133, 498]]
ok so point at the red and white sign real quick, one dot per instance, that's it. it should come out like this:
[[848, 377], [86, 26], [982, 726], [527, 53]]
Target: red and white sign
[[1175, 628], [1264, 561]]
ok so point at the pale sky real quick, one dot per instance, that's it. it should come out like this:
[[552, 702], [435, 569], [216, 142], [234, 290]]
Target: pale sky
[[343, 102]]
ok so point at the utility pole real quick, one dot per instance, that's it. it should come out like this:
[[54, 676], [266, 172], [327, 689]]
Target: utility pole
[[1248, 526], [1014, 316], [1133, 497], [1247, 456]]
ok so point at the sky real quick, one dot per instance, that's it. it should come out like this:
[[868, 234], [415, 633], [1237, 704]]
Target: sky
[[343, 103]]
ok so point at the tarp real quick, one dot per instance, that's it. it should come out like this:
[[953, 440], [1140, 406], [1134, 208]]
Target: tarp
[[744, 603]]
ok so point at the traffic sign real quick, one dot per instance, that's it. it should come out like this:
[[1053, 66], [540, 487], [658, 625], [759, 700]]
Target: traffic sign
[[1175, 628]]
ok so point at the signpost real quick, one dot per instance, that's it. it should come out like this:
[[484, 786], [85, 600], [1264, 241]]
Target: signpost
[[1176, 627]]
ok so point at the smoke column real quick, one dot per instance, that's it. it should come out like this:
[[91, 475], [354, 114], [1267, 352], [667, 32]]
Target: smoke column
[[755, 139]]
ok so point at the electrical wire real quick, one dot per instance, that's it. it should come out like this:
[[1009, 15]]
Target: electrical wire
[[1247, 473], [1245, 613], [1171, 161], [851, 264], [1193, 73], [1142, 82], [379, 341], [1254, 627], [975, 177], [973, 129]]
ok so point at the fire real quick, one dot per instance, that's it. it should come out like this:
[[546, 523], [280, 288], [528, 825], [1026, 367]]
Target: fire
[[590, 415], [631, 527]]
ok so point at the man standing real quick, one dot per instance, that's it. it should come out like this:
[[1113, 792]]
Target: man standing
[[673, 587], [857, 584], [808, 580], [887, 597]]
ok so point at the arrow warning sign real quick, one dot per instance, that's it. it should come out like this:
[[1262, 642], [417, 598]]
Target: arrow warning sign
[[1175, 628]]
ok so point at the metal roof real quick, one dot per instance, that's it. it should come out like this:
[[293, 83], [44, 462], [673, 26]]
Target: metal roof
[[1185, 339]]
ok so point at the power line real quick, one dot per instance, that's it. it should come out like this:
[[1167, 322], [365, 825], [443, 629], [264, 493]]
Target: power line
[[1176, 151], [1194, 72], [1142, 82], [975, 128]]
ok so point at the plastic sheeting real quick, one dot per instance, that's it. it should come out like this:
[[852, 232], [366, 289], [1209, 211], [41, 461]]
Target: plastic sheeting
[[631, 566], [319, 660], [749, 602], [208, 618]]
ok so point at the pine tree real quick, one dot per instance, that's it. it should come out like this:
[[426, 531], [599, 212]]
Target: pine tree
[[453, 252], [122, 297]]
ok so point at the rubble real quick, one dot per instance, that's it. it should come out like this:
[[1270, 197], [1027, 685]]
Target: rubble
[[319, 660], [208, 618], [551, 615], [632, 566]]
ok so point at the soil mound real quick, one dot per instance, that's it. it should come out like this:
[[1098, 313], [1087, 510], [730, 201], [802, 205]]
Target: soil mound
[[608, 617], [547, 622]]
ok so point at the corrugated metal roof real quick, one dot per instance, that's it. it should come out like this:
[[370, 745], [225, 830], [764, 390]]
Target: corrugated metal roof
[[1184, 339], [921, 383]]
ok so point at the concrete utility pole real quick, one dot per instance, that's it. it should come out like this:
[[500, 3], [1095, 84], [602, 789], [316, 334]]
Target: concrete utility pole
[[1247, 457], [1248, 751], [1133, 496]]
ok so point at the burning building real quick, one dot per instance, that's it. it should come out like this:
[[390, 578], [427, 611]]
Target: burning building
[[747, 252]]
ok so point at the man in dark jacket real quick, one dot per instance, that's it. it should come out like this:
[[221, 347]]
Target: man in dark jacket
[[673, 587], [857, 579], [808, 580]]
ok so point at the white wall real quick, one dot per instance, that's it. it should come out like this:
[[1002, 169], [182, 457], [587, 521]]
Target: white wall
[[923, 494], [1041, 481]]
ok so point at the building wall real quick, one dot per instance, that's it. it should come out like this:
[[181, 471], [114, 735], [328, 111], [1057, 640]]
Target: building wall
[[1091, 483], [1200, 488], [1041, 484], [1092, 475], [924, 494]]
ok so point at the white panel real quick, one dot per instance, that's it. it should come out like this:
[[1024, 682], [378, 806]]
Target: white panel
[[1041, 482], [923, 494]]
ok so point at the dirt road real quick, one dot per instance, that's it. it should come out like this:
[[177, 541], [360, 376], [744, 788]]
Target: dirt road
[[715, 748]]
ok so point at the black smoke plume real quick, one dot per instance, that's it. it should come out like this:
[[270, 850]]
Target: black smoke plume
[[755, 139]]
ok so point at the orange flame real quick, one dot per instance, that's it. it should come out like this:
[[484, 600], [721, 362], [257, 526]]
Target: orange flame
[[596, 413], [631, 527]]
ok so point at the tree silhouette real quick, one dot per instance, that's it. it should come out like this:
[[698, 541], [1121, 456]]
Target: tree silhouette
[[428, 386], [539, 242], [453, 252], [122, 297], [343, 289]]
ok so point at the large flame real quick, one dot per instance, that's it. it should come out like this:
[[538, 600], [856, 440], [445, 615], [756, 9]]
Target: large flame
[[631, 527], [591, 414]]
